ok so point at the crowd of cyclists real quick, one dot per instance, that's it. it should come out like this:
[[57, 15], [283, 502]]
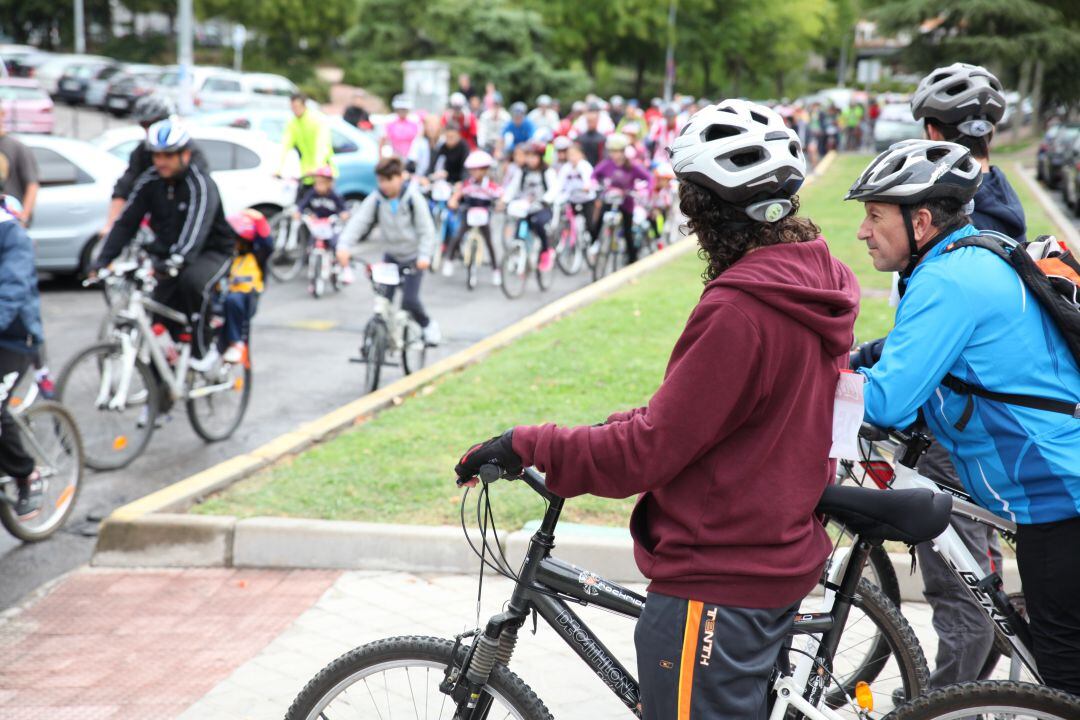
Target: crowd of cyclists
[[985, 368]]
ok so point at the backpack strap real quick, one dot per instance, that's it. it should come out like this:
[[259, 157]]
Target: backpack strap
[[997, 243]]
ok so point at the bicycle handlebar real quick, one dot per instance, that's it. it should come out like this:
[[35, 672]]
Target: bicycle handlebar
[[490, 472], [914, 443]]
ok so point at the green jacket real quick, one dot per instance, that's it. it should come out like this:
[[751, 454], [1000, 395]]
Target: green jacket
[[309, 135]]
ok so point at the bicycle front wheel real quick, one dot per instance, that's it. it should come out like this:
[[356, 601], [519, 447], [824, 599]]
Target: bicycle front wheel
[[514, 266], [414, 350], [399, 677], [218, 399], [287, 257], [606, 254], [472, 259], [115, 429], [315, 272], [52, 439], [373, 351], [989, 700]]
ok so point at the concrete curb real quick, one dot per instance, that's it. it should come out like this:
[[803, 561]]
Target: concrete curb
[[1069, 233], [181, 495]]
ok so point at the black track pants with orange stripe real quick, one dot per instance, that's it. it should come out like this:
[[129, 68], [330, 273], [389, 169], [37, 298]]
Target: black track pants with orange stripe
[[698, 661]]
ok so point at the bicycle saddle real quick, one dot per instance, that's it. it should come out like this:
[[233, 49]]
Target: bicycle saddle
[[910, 516]]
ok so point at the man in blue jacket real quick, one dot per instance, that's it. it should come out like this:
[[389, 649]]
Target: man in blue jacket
[[20, 339], [962, 103], [965, 312]]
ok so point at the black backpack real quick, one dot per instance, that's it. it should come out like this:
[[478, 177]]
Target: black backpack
[[1052, 274]]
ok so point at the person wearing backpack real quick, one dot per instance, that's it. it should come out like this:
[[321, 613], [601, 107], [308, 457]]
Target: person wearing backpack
[[408, 231], [978, 352], [962, 103]]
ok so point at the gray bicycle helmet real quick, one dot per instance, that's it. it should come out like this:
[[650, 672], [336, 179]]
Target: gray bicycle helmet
[[518, 108], [967, 96], [152, 108], [913, 171], [745, 154]]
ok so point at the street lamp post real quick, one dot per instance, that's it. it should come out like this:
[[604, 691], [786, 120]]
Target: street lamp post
[[80, 29], [185, 51]]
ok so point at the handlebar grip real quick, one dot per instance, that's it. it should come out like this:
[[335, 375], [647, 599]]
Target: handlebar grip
[[490, 472], [873, 432]]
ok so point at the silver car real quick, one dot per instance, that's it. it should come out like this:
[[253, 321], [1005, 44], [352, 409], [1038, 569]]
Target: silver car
[[76, 187], [895, 123]]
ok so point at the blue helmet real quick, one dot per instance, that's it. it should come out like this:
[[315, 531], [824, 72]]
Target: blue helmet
[[168, 135]]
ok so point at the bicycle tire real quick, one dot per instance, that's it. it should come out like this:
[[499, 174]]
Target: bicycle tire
[[240, 379], [568, 256], [315, 273], [1001, 697], [60, 503], [115, 449], [544, 278], [513, 281], [285, 262], [603, 252], [425, 652], [374, 353], [414, 350], [901, 646], [472, 255]]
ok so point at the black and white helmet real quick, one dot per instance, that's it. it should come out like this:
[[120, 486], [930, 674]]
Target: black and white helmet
[[152, 108], [968, 96], [745, 154], [913, 171]]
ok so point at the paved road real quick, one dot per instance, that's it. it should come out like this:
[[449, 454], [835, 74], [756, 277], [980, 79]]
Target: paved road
[[301, 348]]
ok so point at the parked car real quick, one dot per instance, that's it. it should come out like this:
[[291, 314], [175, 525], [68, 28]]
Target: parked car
[[895, 123], [98, 88], [129, 86], [241, 162], [26, 64], [76, 184], [225, 88], [49, 72], [1044, 148], [1070, 176], [269, 91], [1054, 157], [355, 151], [76, 80], [27, 108]]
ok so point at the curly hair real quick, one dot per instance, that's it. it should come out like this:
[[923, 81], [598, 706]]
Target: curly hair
[[725, 232]]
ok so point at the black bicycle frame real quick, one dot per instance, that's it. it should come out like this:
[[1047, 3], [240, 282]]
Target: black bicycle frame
[[545, 582]]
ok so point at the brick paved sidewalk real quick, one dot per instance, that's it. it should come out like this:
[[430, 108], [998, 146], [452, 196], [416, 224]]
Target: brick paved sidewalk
[[240, 644], [144, 644]]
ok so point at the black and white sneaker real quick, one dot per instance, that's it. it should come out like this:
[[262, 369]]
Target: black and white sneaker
[[31, 490]]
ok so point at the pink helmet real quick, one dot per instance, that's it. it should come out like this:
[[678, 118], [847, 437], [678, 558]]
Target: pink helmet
[[478, 159], [325, 171], [249, 224]]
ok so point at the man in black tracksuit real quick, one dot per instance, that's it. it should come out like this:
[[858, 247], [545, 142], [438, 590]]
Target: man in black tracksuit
[[193, 243]]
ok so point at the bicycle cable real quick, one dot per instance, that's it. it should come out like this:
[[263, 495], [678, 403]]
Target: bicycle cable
[[831, 678]]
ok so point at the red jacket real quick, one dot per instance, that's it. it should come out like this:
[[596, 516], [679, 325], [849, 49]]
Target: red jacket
[[731, 453]]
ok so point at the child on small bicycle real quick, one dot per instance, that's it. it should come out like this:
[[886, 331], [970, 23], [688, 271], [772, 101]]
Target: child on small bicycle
[[576, 183], [323, 202], [253, 248], [538, 185], [478, 190]]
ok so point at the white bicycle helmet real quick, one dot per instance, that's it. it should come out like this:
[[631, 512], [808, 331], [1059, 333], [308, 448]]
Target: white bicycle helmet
[[617, 141], [478, 159], [745, 154], [167, 136], [968, 96], [913, 171]]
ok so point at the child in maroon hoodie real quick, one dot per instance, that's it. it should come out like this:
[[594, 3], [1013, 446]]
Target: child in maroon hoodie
[[730, 456]]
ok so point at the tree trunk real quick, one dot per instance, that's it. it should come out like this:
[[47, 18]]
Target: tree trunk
[[706, 76], [1024, 87], [639, 76], [1036, 97], [779, 84], [588, 58]]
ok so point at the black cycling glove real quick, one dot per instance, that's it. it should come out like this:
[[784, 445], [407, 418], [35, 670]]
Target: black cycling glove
[[867, 354], [499, 450]]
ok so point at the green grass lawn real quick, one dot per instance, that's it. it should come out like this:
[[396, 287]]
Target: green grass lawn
[[398, 466]]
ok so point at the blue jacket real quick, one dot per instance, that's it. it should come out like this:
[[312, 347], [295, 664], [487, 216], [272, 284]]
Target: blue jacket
[[966, 312], [20, 306], [516, 134], [997, 207]]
